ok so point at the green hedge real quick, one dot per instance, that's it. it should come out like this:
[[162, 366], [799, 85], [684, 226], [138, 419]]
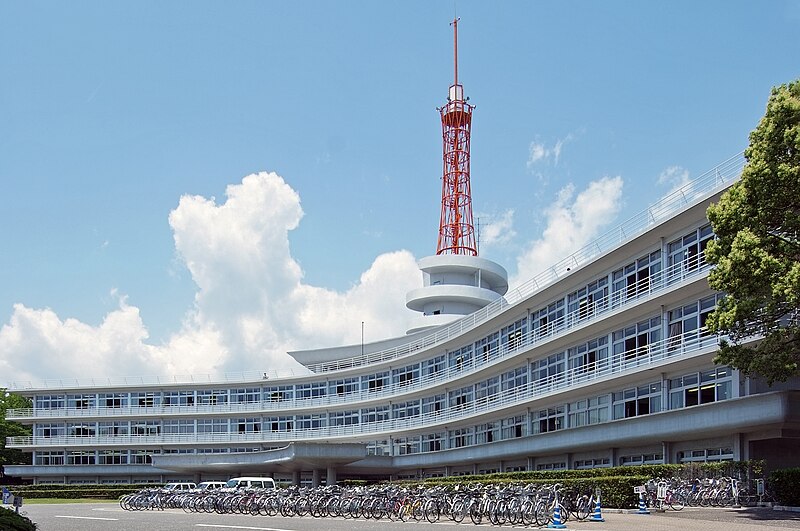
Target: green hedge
[[785, 485], [11, 521], [73, 492]]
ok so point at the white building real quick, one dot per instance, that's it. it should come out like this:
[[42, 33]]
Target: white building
[[601, 360]]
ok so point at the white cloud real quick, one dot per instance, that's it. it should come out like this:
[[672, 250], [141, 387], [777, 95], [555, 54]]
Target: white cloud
[[250, 308], [675, 177], [682, 190], [497, 229], [538, 151], [572, 221]]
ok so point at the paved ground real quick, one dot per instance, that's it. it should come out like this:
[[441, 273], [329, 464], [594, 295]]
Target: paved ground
[[109, 517]]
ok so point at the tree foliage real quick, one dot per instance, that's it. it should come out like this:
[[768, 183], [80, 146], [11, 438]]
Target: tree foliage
[[757, 249], [10, 456]]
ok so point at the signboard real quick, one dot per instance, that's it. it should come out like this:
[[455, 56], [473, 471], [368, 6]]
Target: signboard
[[641, 489], [661, 494], [760, 487], [7, 498]]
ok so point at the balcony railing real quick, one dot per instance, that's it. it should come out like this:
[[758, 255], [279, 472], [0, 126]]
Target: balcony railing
[[666, 279], [694, 343]]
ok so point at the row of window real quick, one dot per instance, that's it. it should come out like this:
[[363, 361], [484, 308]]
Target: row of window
[[121, 457]]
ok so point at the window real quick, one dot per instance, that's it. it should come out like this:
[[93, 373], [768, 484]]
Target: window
[[459, 398], [584, 464], [588, 300], [433, 442], [406, 445], [50, 402], [81, 401], [343, 418], [487, 390], [462, 437], [48, 458], [112, 457], [247, 425], [706, 454], [206, 425], [550, 419], [279, 423], [375, 414], [552, 466], [636, 278], [589, 411], [703, 388], [642, 459], [178, 427], [212, 397], [81, 458], [145, 427], [513, 427], [49, 430], [512, 334], [637, 401], [487, 433], [589, 356], [378, 448], [405, 409], [548, 369], [513, 379], [112, 429], [279, 393], [487, 348], [405, 375], [548, 320], [460, 359], [344, 387], [631, 342], [178, 398], [146, 399], [249, 395], [142, 457], [687, 253], [311, 422], [433, 405], [113, 400], [82, 429], [433, 366], [375, 382]]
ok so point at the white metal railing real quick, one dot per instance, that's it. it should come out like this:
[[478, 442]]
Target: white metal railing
[[661, 281], [696, 342], [698, 189]]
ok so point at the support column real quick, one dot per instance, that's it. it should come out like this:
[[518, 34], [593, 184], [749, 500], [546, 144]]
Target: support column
[[666, 451], [316, 474], [296, 478], [331, 479]]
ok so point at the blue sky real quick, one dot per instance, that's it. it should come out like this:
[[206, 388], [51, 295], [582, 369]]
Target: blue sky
[[112, 112]]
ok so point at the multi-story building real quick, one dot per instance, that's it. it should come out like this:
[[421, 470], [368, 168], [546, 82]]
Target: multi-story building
[[604, 359]]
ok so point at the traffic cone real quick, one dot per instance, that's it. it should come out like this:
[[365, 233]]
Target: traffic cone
[[557, 523], [642, 506], [598, 514]]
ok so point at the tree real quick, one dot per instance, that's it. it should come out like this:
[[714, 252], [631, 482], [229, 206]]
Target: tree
[[10, 456], [757, 248]]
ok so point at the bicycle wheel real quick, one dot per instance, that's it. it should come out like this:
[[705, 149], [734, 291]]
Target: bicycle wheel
[[431, 511]]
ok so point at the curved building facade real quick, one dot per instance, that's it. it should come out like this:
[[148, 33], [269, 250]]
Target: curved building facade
[[601, 360]]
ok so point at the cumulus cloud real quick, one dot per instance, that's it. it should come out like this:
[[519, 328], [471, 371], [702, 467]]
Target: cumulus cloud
[[250, 308], [572, 221], [681, 190]]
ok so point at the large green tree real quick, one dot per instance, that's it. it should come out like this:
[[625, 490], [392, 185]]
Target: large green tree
[[9, 456], [757, 249]]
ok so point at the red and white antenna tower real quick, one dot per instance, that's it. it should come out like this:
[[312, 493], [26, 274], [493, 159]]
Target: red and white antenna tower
[[456, 230]]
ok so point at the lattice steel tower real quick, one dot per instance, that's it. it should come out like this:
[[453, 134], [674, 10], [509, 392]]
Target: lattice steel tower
[[456, 230]]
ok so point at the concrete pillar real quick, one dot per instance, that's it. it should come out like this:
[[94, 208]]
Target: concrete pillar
[[666, 451], [296, 478], [316, 474], [331, 478], [531, 465]]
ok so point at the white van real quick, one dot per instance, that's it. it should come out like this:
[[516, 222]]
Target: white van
[[251, 483]]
